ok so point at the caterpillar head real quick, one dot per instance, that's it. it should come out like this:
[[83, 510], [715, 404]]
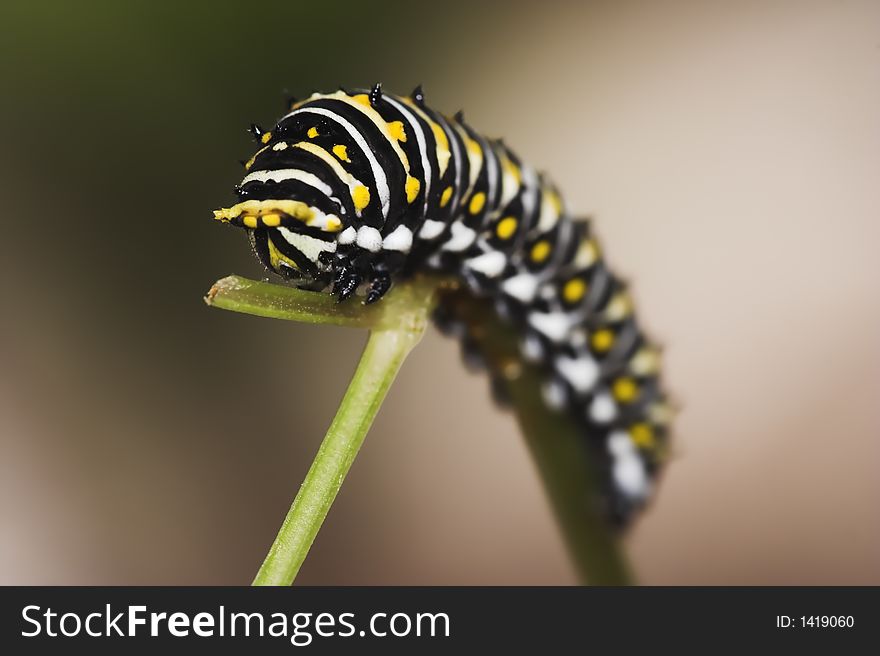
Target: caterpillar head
[[290, 213], [290, 237]]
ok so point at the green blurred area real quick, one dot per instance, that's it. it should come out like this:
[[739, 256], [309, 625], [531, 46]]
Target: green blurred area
[[172, 437], [121, 128]]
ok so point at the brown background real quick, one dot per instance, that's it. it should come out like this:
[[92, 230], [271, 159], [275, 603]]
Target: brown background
[[728, 151]]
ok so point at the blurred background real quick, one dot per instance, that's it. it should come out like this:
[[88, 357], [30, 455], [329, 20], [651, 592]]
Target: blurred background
[[729, 153]]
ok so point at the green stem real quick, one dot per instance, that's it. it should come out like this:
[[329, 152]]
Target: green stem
[[556, 444], [265, 299], [384, 354], [397, 324], [558, 451]]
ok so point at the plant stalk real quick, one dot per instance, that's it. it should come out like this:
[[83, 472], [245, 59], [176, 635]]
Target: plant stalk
[[396, 325], [384, 354]]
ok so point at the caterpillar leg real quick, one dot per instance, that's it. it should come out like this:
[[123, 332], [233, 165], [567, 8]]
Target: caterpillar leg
[[345, 281], [356, 266], [379, 286]]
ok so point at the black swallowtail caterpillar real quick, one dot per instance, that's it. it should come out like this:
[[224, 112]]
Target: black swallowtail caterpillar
[[354, 189]]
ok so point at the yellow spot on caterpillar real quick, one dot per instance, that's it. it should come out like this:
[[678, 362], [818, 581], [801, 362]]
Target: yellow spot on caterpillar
[[367, 109], [443, 153], [474, 147], [395, 128], [361, 197], [412, 188], [249, 221], [602, 340], [256, 208], [624, 389], [333, 224], [477, 202], [445, 196], [506, 228], [555, 201], [661, 413], [271, 220], [313, 132], [512, 169], [574, 290], [587, 254], [341, 152], [540, 251], [276, 257], [619, 307], [440, 135], [251, 161], [266, 138], [645, 362], [642, 435]]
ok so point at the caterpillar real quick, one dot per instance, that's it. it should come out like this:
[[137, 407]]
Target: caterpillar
[[353, 190]]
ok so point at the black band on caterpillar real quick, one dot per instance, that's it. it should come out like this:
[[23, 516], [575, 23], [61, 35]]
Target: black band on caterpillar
[[355, 189]]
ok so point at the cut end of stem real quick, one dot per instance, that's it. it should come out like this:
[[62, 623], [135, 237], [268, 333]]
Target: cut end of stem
[[226, 285]]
